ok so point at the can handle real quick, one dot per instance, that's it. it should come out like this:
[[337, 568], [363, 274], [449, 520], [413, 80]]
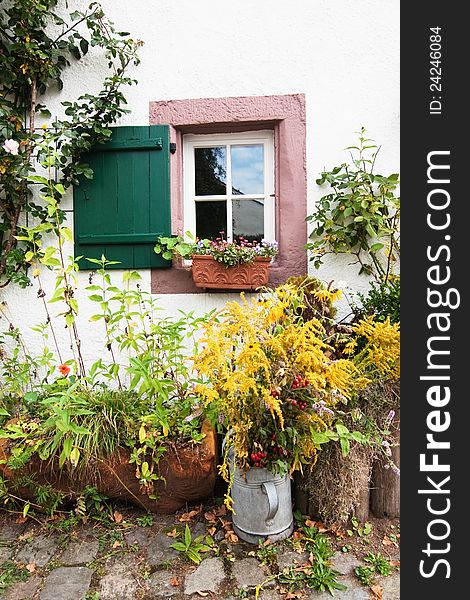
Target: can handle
[[269, 489]]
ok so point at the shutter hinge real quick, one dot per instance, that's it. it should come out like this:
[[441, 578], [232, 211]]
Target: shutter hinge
[[172, 147]]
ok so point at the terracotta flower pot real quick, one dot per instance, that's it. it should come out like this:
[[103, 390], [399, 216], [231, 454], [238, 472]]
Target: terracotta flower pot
[[209, 273]]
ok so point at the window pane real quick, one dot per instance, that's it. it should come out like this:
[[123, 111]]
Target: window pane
[[248, 219], [211, 171], [211, 219], [247, 169]]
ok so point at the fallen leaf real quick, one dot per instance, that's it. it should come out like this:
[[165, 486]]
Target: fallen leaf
[[221, 511], [292, 595], [231, 537], [226, 524], [173, 533], [394, 563], [31, 567], [309, 523], [174, 581], [117, 544], [117, 517], [267, 542], [210, 516], [185, 517], [211, 530], [388, 542], [377, 591], [317, 524], [20, 520]]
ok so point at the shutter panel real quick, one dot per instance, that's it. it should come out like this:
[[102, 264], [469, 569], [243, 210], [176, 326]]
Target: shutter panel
[[126, 206]]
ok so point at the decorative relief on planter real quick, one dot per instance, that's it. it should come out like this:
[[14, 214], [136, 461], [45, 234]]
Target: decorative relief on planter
[[208, 273]]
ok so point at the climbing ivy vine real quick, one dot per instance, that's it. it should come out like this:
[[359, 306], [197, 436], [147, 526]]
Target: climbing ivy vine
[[39, 40]]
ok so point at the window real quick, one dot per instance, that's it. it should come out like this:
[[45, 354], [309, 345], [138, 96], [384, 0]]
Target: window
[[229, 185], [236, 124]]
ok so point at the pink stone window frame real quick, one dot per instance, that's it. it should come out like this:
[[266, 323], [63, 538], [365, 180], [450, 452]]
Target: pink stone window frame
[[285, 115]]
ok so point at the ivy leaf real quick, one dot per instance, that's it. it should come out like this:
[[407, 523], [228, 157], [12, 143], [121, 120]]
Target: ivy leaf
[[84, 46]]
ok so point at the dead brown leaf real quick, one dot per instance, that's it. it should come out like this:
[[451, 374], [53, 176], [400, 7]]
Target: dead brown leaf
[[117, 517], [388, 542], [210, 516], [225, 523], [31, 567], [231, 537], [394, 563], [377, 590], [20, 520], [186, 517], [317, 524], [174, 581], [293, 595], [173, 533], [310, 523], [117, 544], [221, 511], [211, 530]]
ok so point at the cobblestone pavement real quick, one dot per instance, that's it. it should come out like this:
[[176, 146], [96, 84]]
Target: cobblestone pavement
[[133, 560]]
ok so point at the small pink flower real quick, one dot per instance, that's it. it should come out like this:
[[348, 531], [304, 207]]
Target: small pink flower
[[389, 419], [11, 146]]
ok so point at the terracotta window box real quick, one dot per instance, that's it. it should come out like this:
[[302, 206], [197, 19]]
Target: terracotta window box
[[208, 273]]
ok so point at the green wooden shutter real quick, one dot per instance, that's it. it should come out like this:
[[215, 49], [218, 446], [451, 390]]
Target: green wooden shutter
[[125, 207]]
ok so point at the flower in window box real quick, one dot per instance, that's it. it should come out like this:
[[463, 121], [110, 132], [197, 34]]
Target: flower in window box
[[221, 250], [220, 264]]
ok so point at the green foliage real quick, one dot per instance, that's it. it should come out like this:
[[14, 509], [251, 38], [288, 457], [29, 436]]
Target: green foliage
[[143, 401], [379, 565], [12, 573], [91, 502], [48, 498], [360, 530], [345, 437], [145, 520], [266, 553], [228, 253], [318, 574], [365, 575], [38, 41], [191, 548], [382, 301], [360, 216]]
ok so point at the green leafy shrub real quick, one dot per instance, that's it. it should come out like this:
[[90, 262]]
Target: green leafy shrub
[[382, 301], [360, 216]]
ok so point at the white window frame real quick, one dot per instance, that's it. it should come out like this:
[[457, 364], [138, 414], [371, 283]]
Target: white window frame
[[192, 141]]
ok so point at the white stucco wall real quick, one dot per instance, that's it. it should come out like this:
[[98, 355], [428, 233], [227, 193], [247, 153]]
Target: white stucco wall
[[342, 54]]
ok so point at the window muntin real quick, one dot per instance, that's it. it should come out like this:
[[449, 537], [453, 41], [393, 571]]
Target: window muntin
[[229, 185]]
